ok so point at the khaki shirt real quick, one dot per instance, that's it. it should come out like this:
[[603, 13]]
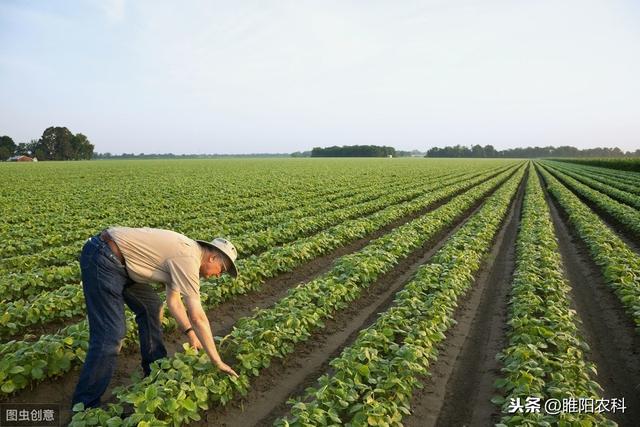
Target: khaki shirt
[[154, 255]]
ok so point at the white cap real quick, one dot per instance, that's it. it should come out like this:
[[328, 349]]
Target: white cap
[[227, 249]]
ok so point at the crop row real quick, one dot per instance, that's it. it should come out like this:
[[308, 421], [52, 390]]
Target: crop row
[[631, 178], [252, 197], [173, 201], [247, 205], [614, 181], [544, 358], [67, 347], [26, 286], [32, 283], [18, 284], [630, 199], [623, 164], [67, 301], [183, 386], [625, 215], [372, 381], [618, 263], [242, 219]]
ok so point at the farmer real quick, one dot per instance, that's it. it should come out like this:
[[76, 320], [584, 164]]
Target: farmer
[[117, 266]]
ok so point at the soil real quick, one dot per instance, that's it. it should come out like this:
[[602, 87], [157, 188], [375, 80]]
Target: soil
[[460, 385], [267, 399], [223, 317], [608, 330]]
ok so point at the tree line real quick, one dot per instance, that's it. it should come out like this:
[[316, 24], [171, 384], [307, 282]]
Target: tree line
[[353, 151], [488, 151], [56, 143]]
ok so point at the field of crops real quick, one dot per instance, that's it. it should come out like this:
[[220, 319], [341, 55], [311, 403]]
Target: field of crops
[[621, 163], [386, 292]]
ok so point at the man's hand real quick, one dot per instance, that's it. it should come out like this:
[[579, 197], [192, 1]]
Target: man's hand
[[194, 341], [226, 369], [202, 329]]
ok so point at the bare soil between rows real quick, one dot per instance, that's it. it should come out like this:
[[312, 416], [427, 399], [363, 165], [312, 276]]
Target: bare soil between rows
[[460, 386], [267, 399], [607, 329], [223, 317]]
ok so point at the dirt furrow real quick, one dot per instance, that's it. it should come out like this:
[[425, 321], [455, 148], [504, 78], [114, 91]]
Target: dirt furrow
[[460, 385], [223, 317], [267, 398], [609, 331]]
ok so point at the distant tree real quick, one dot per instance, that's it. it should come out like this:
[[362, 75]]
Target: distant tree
[[353, 151], [106, 155], [301, 154], [566, 151], [477, 151], [82, 148], [489, 151], [55, 144], [7, 147], [25, 149], [526, 152], [455, 151], [460, 151], [58, 143], [21, 149], [433, 152]]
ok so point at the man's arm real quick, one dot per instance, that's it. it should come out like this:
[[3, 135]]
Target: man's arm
[[177, 310], [196, 319]]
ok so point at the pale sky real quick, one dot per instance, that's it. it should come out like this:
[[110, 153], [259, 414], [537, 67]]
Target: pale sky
[[281, 76]]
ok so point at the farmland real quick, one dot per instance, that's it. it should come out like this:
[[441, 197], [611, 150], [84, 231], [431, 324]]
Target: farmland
[[417, 292]]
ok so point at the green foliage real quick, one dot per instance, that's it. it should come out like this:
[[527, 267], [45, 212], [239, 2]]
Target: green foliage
[[618, 263], [372, 381], [279, 229], [626, 197], [67, 300], [477, 151], [544, 357], [58, 143], [624, 214], [621, 163], [273, 333], [616, 179], [353, 151], [7, 147]]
